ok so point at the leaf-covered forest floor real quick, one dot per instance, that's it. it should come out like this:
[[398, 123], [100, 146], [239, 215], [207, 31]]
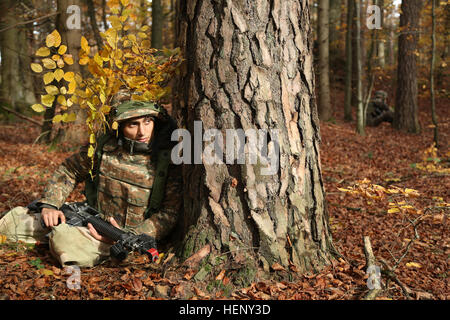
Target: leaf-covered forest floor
[[403, 209]]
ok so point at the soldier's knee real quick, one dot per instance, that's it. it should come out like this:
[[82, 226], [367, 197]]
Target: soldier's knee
[[17, 222], [73, 246]]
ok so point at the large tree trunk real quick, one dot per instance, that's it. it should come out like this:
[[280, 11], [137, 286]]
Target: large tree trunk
[[249, 66], [406, 113], [76, 132], [324, 65]]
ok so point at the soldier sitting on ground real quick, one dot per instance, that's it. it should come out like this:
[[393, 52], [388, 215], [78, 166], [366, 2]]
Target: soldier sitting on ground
[[378, 111], [125, 167]]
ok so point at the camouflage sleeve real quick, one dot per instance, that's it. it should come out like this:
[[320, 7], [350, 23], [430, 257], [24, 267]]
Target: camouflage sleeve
[[72, 171], [160, 223]]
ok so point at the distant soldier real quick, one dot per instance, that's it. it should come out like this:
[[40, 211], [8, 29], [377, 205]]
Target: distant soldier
[[378, 111], [136, 187]]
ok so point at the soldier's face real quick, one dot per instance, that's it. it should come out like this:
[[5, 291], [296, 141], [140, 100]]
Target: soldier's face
[[139, 129]]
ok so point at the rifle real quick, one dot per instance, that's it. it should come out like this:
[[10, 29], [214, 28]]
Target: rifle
[[80, 214]]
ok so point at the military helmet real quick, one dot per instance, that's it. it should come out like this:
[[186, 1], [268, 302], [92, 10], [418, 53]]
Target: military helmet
[[381, 94], [133, 109]]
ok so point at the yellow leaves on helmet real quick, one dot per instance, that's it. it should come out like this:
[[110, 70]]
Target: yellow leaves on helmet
[[115, 125]]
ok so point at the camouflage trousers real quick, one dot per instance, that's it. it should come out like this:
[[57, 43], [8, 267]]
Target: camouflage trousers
[[69, 245]]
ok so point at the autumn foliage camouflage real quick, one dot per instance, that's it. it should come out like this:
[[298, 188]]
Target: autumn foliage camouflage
[[126, 60]]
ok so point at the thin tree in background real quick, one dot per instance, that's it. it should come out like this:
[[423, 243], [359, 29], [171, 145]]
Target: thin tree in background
[[75, 133], [359, 94], [93, 21], [406, 105], [334, 21], [157, 24], [348, 63], [16, 87], [324, 64], [433, 61], [380, 41]]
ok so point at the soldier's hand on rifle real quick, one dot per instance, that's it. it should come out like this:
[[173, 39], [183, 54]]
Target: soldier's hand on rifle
[[99, 237], [51, 217]]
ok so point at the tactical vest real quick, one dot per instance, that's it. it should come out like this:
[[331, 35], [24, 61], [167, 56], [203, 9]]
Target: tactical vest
[[126, 187]]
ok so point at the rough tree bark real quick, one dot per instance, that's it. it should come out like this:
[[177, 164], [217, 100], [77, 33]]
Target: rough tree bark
[[249, 65], [406, 113]]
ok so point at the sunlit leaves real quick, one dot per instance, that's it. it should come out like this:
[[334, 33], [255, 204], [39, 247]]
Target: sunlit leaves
[[72, 87], [66, 117], [53, 90], [69, 76], [53, 39], [373, 192], [49, 63], [91, 151], [59, 74], [55, 57], [62, 49], [47, 100], [38, 107], [36, 67], [48, 77], [431, 162], [68, 59], [85, 45], [43, 52]]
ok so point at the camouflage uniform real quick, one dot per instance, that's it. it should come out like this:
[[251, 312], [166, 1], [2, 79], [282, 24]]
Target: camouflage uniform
[[378, 111], [125, 180]]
